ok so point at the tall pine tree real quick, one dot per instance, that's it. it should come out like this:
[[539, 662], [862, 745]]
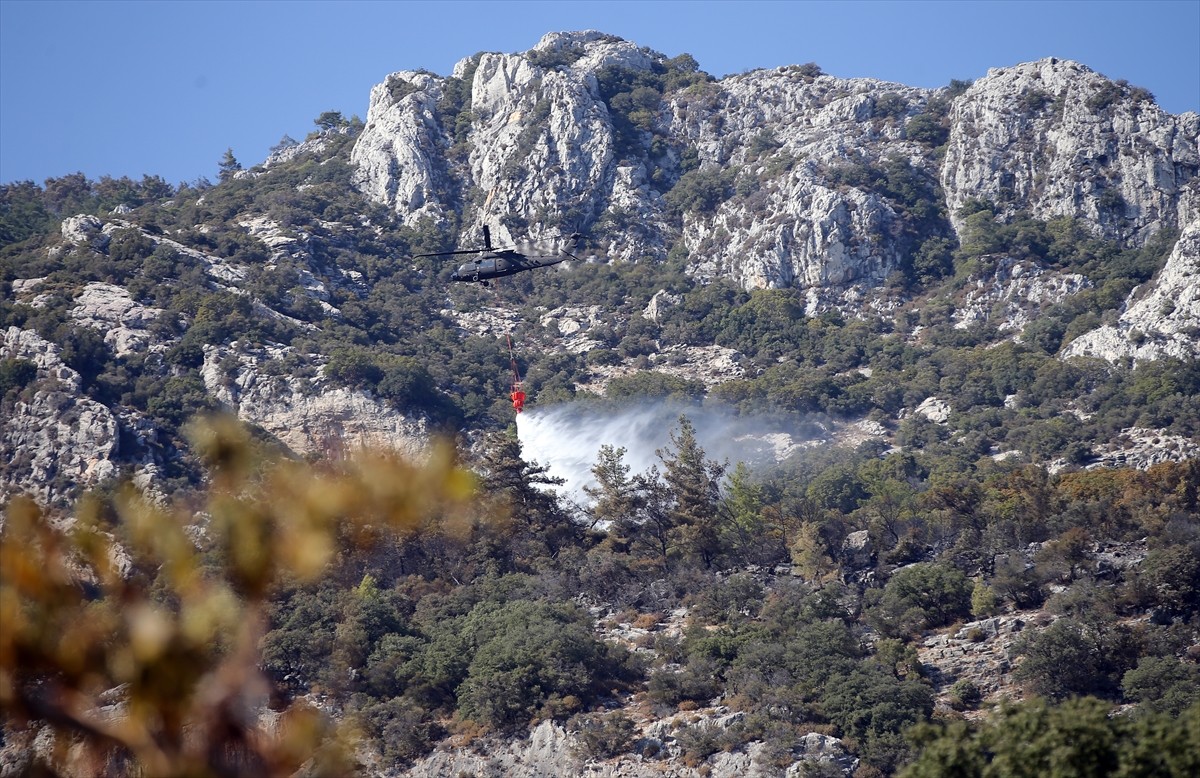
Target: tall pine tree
[[695, 485]]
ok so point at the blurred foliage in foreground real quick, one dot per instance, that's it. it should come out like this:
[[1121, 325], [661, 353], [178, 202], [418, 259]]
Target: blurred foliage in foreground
[[136, 635], [354, 615]]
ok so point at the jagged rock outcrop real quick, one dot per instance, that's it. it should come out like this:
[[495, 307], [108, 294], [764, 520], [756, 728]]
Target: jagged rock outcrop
[[542, 142], [1058, 139], [935, 409], [1161, 319], [305, 414], [399, 154], [858, 553], [1014, 294], [314, 144], [796, 224], [110, 309], [84, 230], [56, 440], [784, 148], [659, 303]]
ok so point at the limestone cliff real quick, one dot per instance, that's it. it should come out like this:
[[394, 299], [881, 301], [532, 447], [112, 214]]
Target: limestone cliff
[[780, 178], [789, 155], [305, 414], [1058, 139], [1160, 320], [56, 439]]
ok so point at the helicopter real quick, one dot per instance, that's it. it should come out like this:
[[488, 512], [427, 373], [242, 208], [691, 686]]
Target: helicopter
[[492, 262]]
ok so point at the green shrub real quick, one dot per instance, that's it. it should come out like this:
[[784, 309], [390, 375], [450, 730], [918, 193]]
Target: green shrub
[[1077, 738], [16, 374], [921, 596], [964, 694], [1163, 685], [602, 735]]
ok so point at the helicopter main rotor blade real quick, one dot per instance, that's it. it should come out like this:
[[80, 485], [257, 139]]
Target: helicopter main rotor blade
[[447, 253]]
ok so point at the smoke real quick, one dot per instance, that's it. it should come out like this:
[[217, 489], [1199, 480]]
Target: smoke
[[567, 438]]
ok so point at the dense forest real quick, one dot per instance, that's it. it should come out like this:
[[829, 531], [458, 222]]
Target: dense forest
[[462, 601]]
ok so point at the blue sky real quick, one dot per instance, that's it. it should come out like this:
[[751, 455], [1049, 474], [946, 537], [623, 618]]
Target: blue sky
[[163, 87]]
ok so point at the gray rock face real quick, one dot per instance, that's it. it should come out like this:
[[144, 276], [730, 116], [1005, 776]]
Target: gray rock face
[[304, 413], [1014, 294], [1058, 139], [111, 310], [1161, 320], [399, 153], [56, 440], [935, 409], [314, 144], [540, 156], [857, 551], [84, 230], [541, 141], [796, 227], [660, 302]]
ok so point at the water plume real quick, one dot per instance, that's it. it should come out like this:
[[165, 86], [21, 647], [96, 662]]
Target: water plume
[[567, 438]]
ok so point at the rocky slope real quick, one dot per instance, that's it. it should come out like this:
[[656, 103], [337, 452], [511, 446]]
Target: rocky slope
[[306, 415], [1059, 139], [1160, 320], [790, 178], [1052, 138], [787, 179], [57, 438]]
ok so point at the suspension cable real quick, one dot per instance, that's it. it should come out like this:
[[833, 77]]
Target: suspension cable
[[518, 394]]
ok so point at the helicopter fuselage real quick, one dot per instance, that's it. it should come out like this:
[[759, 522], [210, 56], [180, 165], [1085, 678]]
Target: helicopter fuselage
[[493, 265]]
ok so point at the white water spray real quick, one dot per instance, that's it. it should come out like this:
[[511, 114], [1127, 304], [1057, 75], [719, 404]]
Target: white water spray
[[567, 438]]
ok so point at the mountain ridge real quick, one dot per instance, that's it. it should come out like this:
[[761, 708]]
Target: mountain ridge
[[980, 305]]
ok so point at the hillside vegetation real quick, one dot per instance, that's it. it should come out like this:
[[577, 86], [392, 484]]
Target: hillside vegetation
[[266, 511]]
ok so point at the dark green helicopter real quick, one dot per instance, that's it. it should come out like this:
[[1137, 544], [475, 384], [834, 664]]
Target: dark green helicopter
[[493, 262]]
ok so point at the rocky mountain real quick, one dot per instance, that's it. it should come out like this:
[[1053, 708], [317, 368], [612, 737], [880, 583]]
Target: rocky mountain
[[1050, 138], [849, 191], [965, 319]]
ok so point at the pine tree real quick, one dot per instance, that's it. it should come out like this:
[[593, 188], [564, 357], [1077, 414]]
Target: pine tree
[[328, 120], [694, 483], [656, 527], [524, 490], [229, 165], [615, 496]]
